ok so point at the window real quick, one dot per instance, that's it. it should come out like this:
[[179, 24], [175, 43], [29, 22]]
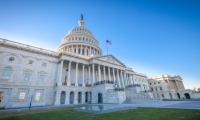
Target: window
[[79, 51], [83, 51], [163, 96], [151, 89], [27, 75], [38, 96], [30, 62], [44, 64], [42, 76], [11, 59], [22, 96], [7, 71], [160, 88]]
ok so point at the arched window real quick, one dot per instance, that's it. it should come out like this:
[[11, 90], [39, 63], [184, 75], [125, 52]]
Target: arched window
[[7, 71]]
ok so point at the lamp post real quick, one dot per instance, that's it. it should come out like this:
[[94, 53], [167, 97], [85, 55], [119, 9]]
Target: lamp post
[[30, 105]]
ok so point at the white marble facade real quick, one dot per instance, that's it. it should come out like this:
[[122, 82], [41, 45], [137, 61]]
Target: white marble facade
[[76, 73]]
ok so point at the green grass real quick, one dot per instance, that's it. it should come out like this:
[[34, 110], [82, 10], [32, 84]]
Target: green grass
[[135, 114]]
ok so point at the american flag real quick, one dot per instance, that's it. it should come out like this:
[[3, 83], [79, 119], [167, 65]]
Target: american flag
[[109, 42]]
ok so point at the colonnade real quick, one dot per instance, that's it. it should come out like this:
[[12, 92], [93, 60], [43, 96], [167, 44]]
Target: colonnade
[[95, 73]]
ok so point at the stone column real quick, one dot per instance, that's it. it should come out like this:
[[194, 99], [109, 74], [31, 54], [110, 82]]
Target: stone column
[[104, 72], [93, 74], [67, 98], [57, 100], [76, 82], [99, 71], [132, 79], [81, 50], [109, 77], [114, 75], [83, 79], [60, 73], [89, 79], [122, 79], [125, 80], [85, 50], [69, 74], [129, 82], [118, 80], [90, 51], [76, 49], [83, 97], [75, 97]]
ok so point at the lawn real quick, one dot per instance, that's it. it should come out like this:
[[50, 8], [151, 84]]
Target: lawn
[[135, 114]]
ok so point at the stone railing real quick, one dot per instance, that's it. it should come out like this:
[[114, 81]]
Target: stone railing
[[133, 85], [104, 82], [27, 47], [119, 89]]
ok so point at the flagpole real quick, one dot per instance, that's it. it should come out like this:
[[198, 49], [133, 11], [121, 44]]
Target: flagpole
[[108, 43], [107, 49]]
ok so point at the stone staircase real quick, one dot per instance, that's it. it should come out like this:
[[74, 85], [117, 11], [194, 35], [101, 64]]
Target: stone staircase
[[137, 97]]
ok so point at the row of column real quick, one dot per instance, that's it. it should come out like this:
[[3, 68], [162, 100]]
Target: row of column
[[86, 50], [118, 76]]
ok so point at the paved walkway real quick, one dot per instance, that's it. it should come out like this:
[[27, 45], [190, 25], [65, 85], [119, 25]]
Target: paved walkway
[[105, 108]]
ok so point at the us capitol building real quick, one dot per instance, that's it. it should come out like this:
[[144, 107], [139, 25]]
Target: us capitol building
[[76, 73]]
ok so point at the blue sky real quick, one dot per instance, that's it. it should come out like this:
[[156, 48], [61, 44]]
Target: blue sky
[[152, 36]]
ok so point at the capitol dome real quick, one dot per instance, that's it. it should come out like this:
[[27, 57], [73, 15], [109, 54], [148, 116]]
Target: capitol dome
[[80, 41]]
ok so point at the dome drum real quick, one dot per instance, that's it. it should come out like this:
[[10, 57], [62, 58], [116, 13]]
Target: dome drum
[[80, 41]]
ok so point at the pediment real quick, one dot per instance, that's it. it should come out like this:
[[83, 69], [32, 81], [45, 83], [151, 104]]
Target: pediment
[[110, 59]]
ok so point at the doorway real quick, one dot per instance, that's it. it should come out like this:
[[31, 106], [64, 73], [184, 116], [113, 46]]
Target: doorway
[[71, 97], [100, 98], [62, 97], [187, 95], [79, 97], [178, 95]]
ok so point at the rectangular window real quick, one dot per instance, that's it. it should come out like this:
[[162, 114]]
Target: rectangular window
[[27, 76], [7, 71], [22, 96], [160, 88], [42, 76], [37, 96]]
